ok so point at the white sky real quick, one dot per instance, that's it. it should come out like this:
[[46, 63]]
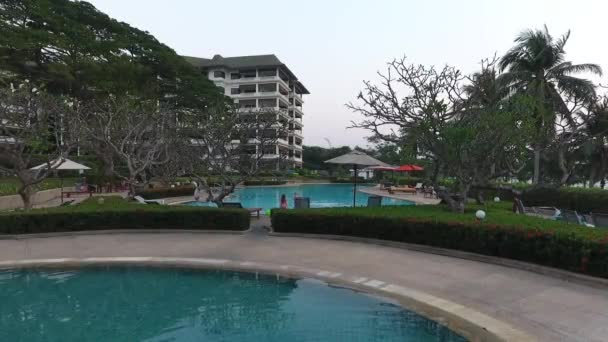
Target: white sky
[[332, 46]]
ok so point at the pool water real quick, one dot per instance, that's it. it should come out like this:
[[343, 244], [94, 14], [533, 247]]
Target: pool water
[[148, 304], [321, 196]]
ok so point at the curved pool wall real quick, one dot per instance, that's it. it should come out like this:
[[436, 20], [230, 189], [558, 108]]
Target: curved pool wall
[[321, 196], [156, 304]]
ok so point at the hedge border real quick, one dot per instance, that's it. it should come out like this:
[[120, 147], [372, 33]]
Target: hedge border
[[561, 248], [34, 222]]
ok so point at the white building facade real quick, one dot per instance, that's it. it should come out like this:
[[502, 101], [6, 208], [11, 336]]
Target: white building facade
[[258, 83]]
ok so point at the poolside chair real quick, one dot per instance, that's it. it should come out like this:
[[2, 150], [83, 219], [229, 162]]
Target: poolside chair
[[419, 187], [141, 200], [572, 216], [519, 208], [302, 202], [406, 190], [66, 203], [374, 201], [599, 220], [238, 205]]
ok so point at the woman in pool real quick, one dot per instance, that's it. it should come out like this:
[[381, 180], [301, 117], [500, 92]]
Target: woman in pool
[[283, 201]]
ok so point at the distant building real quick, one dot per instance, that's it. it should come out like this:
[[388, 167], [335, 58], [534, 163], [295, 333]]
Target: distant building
[[262, 82]]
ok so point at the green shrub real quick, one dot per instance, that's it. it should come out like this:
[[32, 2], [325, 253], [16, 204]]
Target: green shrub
[[545, 242], [116, 213], [178, 191], [583, 200], [264, 182]]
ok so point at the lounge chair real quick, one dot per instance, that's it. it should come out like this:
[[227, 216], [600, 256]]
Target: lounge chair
[[141, 200], [238, 205], [599, 220], [66, 203], [302, 202], [419, 187], [406, 189], [543, 212], [572, 216], [374, 201]]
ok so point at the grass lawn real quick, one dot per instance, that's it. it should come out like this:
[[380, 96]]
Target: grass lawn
[[8, 186]]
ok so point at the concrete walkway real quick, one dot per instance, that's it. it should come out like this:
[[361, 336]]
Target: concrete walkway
[[547, 308]]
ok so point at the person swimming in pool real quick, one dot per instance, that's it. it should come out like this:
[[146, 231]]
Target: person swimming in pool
[[283, 201]]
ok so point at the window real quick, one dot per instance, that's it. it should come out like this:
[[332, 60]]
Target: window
[[267, 72], [235, 76], [219, 74], [235, 91], [248, 73], [247, 104]]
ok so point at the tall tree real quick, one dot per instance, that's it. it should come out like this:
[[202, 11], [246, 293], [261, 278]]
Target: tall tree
[[536, 66], [139, 134], [465, 138], [223, 146], [35, 127]]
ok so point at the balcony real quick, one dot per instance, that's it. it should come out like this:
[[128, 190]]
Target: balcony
[[295, 97]]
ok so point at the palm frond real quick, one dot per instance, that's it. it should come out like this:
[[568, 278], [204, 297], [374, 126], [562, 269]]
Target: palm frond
[[568, 68], [578, 87]]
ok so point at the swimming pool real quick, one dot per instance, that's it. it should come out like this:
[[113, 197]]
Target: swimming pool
[[154, 304], [321, 196]]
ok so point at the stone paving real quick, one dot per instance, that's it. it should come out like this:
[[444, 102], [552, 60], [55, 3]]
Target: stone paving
[[547, 308]]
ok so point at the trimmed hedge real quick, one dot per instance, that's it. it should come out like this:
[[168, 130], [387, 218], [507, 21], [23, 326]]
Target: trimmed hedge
[[571, 248], [263, 182], [583, 200], [119, 214], [178, 191]]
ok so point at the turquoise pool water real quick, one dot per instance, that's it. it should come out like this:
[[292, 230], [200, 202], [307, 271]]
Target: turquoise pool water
[[321, 196], [147, 304]]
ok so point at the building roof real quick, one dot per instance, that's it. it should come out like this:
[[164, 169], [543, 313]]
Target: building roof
[[243, 62]]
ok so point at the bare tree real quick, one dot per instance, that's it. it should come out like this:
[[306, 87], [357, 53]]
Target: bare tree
[[225, 145], [465, 137], [34, 128], [137, 133]]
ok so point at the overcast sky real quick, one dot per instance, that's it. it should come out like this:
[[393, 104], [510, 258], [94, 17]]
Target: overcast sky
[[332, 46]]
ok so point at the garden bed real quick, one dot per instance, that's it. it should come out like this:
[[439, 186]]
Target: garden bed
[[504, 234], [117, 213]]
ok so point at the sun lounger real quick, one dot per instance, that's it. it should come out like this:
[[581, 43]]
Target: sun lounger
[[238, 205], [407, 190], [141, 200], [599, 220]]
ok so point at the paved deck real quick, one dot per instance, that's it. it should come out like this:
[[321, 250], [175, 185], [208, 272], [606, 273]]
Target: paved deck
[[416, 198], [547, 308]]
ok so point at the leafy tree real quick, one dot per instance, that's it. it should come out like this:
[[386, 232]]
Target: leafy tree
[[470, 139], [139, 134], [222, 146], [75, 49], [28, 135], [536, 66]]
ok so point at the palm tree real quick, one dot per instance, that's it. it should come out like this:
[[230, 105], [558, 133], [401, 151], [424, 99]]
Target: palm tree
[[536, 66]]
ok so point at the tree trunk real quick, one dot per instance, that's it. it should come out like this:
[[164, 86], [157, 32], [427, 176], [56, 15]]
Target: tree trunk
[[479, 197], [536, 176], [26, 196], [561, 161]]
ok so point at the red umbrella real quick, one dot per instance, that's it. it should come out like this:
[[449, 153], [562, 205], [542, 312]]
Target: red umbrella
[[409, 167]]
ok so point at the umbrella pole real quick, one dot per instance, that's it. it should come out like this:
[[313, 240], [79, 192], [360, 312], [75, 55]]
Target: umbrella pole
[[61, 189], [355, 189]]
